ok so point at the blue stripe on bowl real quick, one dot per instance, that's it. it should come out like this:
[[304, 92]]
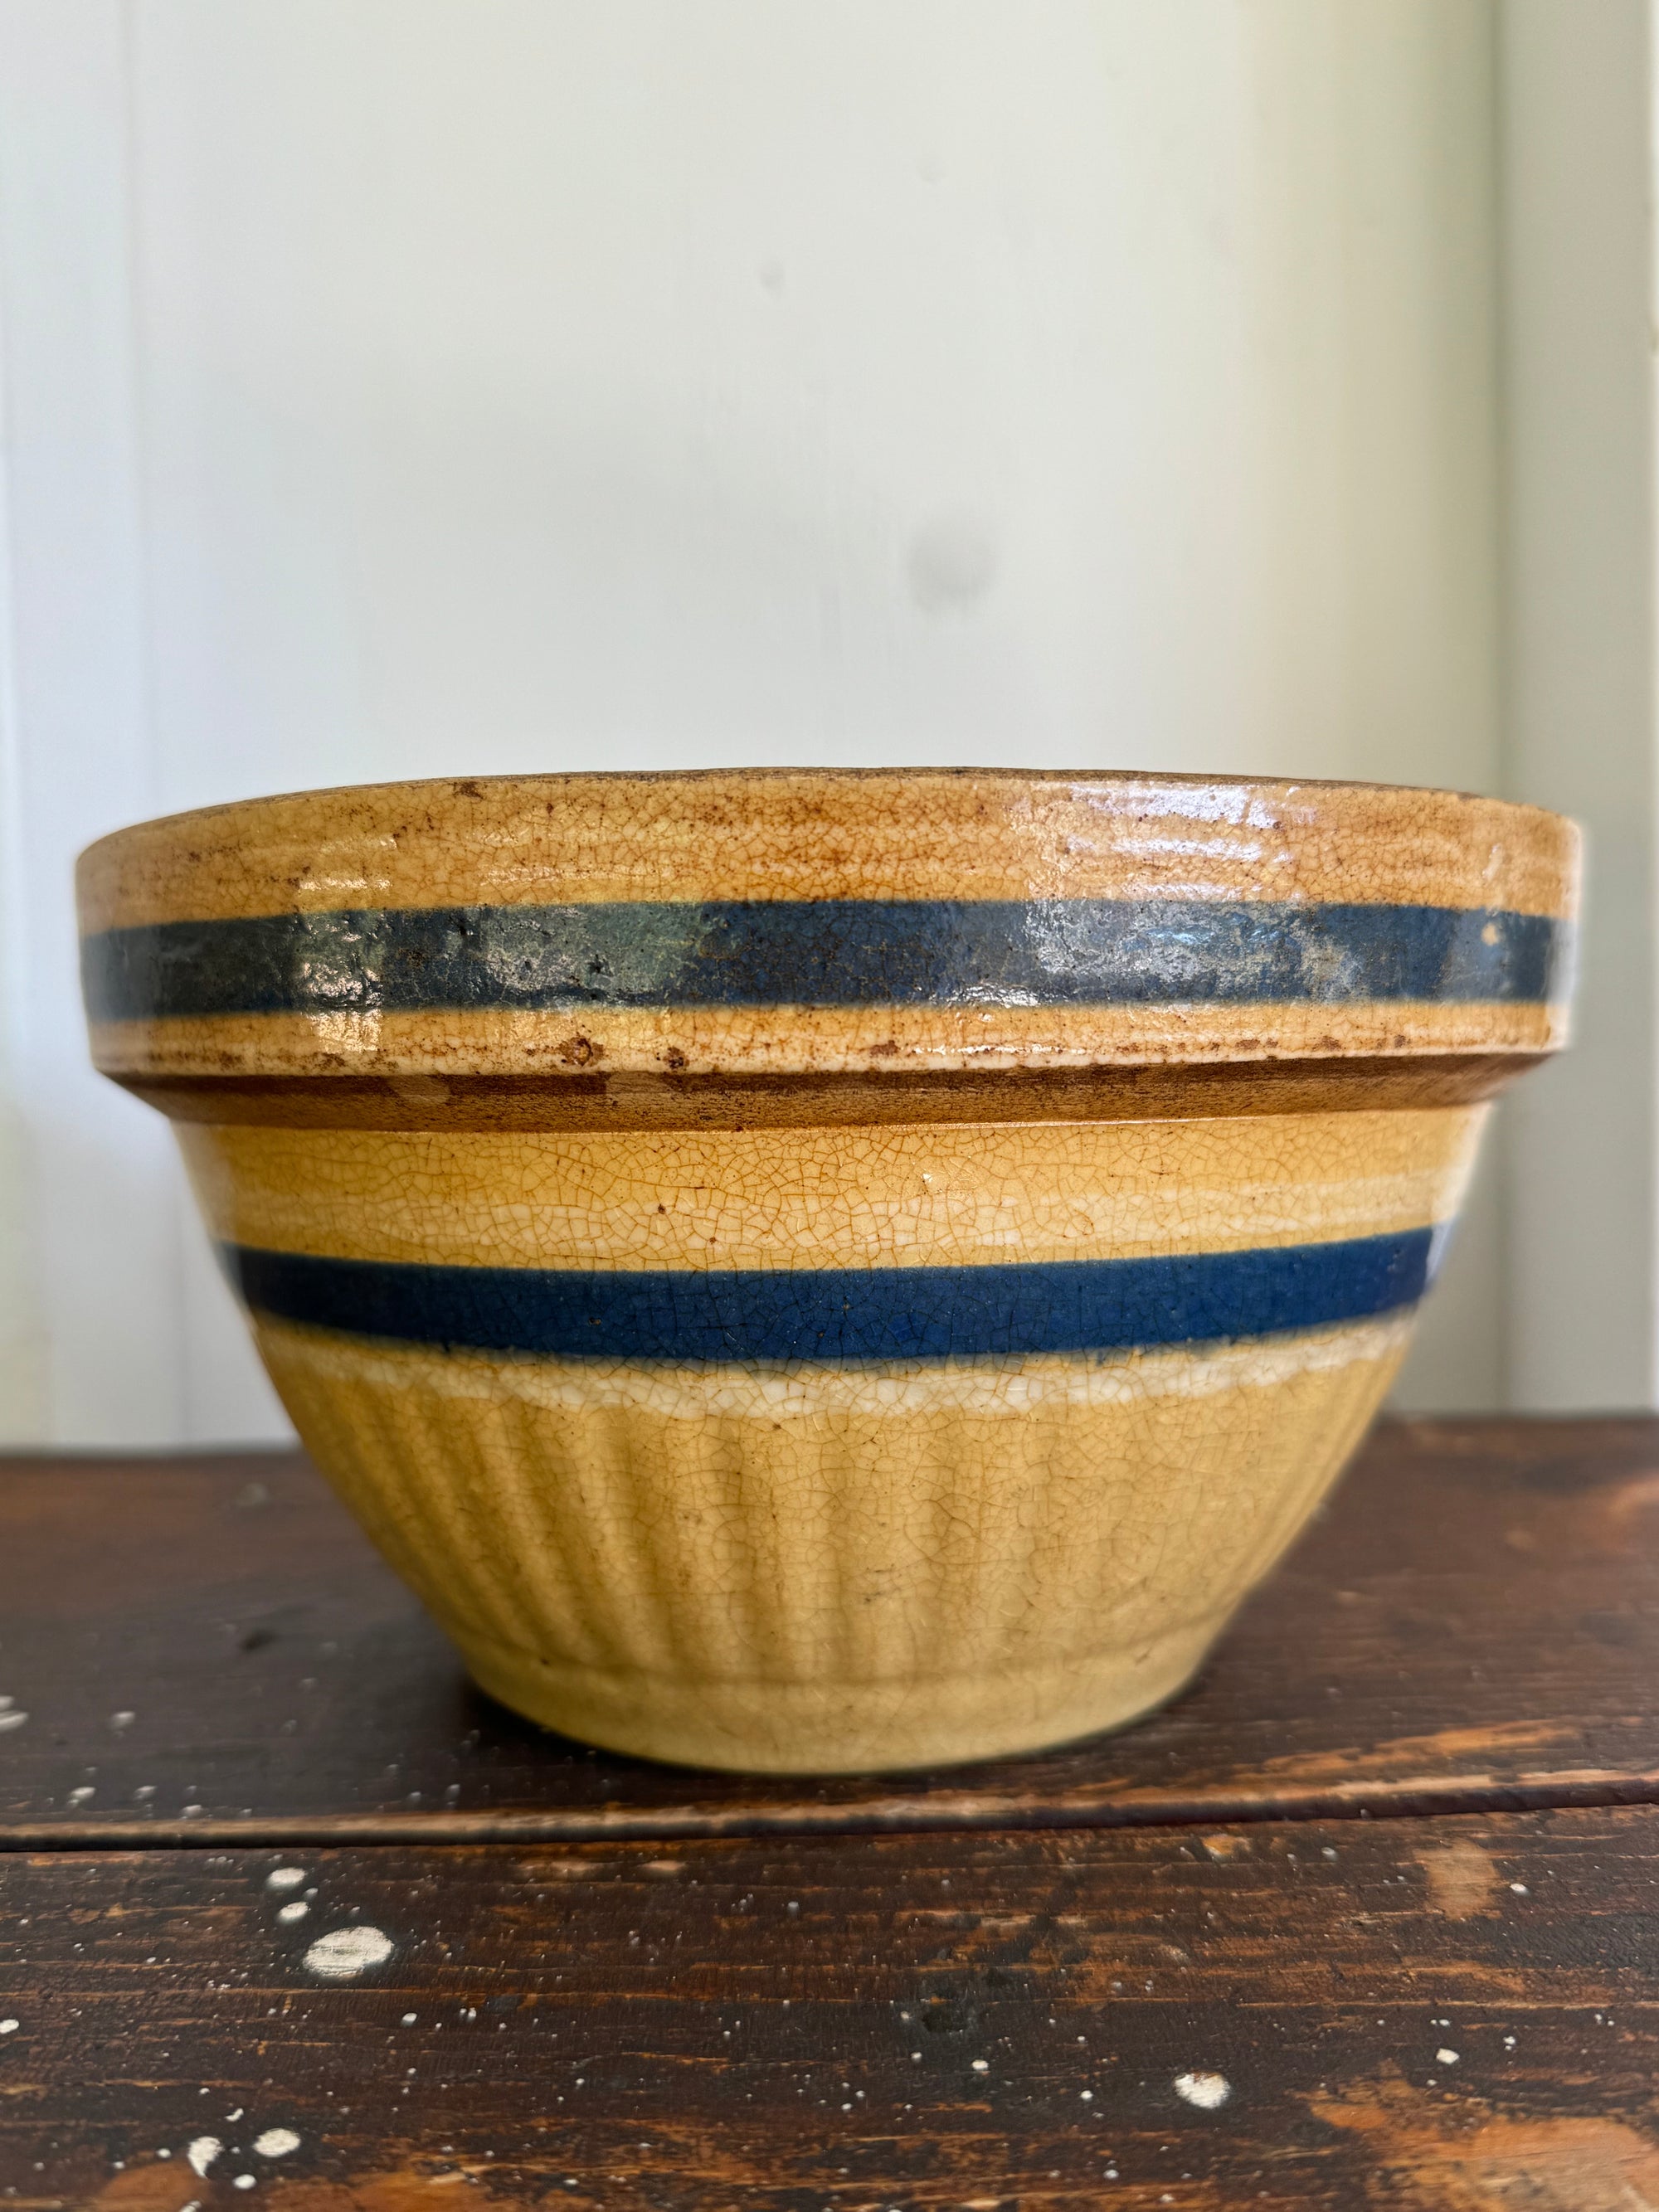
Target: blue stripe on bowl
[[822, 952], [843, 1314]]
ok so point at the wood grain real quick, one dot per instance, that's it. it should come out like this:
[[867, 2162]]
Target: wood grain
[[921, 2021], [207, 1650]]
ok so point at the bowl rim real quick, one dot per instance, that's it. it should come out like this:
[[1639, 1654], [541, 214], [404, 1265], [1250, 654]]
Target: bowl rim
[[539, 780], [739, 924]]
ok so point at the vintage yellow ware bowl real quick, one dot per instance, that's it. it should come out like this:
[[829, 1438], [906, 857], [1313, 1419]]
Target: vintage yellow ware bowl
[[809, 1270]]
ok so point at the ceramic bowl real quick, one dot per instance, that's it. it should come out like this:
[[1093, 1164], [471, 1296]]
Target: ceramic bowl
[[830, 1271]]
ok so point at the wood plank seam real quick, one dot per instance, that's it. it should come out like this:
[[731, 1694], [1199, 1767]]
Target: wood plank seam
[[461, 1830]]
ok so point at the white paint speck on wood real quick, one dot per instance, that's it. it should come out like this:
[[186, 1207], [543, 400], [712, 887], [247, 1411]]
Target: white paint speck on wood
[[1208, 2092], [346, 1953]]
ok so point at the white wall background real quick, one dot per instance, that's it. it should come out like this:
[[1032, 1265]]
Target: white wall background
[[1580, 334], [418, 387]]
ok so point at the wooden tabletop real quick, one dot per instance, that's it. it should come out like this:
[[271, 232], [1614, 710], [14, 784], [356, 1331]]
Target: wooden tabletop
[[1370, 1917]]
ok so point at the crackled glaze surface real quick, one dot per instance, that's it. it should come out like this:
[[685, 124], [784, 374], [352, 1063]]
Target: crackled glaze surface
[[812, 1271]]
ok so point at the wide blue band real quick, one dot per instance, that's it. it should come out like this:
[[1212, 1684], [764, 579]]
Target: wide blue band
[[845, 1313], [822, 952]]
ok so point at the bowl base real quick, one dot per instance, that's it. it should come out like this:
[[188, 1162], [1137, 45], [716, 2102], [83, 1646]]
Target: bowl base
[[841, 1728]]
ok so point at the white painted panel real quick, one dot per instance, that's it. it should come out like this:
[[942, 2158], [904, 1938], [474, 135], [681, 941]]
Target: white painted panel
[[1578, 151], [22, 1336], [96, 1212], [551, 383], [534, 384]]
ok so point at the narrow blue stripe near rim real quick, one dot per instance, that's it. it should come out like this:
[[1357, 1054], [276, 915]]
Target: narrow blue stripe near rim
[[838, 1315], [822, 952]]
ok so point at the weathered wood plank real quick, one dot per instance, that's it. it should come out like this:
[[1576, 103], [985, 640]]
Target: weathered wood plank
[[1445, 2015], [206, 1648]]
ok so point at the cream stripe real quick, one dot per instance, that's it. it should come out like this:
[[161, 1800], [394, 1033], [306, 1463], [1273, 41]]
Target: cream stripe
[[1015, 1387]]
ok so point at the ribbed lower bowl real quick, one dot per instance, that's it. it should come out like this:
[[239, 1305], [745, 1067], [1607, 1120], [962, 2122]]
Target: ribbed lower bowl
[[837, 1448]]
